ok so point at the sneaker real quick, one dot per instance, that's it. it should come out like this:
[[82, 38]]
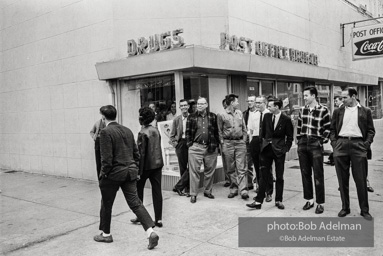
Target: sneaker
[[103, 239]]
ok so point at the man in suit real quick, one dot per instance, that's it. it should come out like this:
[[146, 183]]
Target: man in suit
[[277, 137], [352, 132], [233, 135], [178, 140], [202, 140], [313, 131], [120, 159], [255, 128]]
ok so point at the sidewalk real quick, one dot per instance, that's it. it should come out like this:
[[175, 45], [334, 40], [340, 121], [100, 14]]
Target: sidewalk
[[46, 215]]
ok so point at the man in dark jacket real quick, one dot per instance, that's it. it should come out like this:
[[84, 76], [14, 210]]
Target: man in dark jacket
[[351, 133], [202, 140], [178, 141], [119, 158], [277, 137]]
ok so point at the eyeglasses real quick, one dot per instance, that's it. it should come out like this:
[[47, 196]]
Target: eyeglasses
[[200, 104], [186, 105], [257, 102]]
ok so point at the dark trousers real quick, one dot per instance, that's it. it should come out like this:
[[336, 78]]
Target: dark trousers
[[155, 181], [255, 149], [109, 190], [98, 168], [310, 152], [267, 158], [182, 155], [97, 152], [354, 152], [331, 157]]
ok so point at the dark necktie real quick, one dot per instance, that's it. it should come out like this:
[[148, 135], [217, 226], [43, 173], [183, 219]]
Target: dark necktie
[[260, 124], [273, 121]]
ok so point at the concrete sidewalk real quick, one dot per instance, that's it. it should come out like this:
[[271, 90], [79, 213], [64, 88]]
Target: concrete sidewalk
[[46, 215]]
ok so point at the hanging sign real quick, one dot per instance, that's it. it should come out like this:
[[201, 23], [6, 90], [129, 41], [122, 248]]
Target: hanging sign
[[155, 43], [367, 42], [247, 45]]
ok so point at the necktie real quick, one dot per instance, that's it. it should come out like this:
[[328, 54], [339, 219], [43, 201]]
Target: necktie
[[273, 122], [260, 124]]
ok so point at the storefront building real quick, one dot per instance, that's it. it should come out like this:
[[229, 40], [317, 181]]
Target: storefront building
[[163, 52]]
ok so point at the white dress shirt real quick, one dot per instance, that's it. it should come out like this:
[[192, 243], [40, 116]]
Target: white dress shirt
[[277, 116]]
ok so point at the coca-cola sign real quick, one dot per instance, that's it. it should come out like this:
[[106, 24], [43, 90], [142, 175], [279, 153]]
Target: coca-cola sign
[[370, 47], [367, 42]]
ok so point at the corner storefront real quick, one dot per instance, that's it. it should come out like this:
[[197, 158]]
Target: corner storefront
[[188, 72]]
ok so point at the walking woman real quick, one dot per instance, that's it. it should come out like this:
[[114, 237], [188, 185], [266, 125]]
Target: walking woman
[[151, 162]]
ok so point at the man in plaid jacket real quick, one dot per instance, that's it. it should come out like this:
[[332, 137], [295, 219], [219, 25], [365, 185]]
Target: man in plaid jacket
[[202, 140], [312, 132]]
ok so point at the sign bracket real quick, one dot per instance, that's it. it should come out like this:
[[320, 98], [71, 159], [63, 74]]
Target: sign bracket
[[342, 25]]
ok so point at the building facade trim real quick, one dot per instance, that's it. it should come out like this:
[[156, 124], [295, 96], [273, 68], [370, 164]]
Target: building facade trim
[[199, 57]]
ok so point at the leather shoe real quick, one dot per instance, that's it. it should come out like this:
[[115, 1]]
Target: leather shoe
[[193, 199], [103, 239], [231, 195], [370, 189], [135, 221], [227, 183], [254, 205], [245, 196], [153, 240], [279, 205], [269, 198], [158, 223], [251, 187], [366, 215], [179, 192], [319, 209], [308, 206], [329, 163], [343, 213], [208, 195]]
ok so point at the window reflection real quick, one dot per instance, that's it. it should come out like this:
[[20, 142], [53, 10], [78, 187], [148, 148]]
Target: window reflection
[[159, 90], [374, 101], [195, 85]]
